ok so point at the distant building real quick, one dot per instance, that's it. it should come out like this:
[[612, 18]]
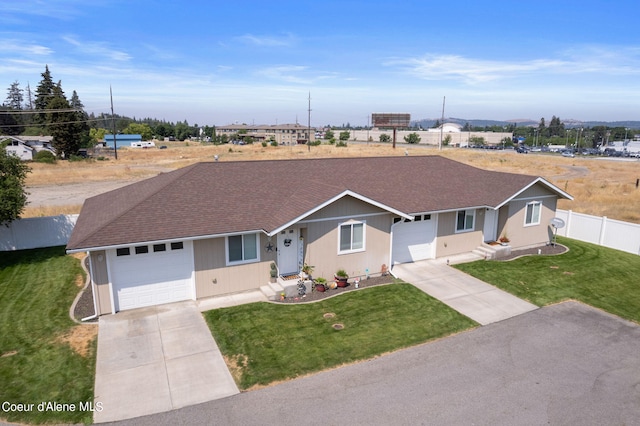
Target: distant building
[[26, 147], [447, 128], [283, 134], [121, 140]]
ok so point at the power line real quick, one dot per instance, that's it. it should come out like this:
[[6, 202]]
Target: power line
[[52, 124], [38, 111]]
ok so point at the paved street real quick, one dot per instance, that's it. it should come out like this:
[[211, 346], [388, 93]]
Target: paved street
[[563, 364]]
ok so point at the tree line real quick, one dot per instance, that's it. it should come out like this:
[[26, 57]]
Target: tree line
[[47, 111]]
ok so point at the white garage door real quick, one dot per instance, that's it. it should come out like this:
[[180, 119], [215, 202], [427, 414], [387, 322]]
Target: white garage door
[[151, 275], [413, 241]]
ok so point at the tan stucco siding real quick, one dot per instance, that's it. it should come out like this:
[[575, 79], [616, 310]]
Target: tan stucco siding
[[100, 278], [521, 235], [344, 207], [449, 242], [213, 277], [322, 247], [535, 191]]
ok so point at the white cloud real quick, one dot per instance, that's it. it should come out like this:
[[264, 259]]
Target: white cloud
[[22, 47], [582, 60], [268, 41], [100, 49]]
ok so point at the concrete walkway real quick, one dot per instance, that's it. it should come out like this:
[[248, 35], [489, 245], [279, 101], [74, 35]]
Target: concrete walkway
[[471, 297], [157, 359]]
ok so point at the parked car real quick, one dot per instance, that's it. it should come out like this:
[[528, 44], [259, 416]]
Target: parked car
[[568, 154], [522, 150]]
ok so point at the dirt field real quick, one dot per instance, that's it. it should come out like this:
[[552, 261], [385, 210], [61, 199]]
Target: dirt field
[[600, 186]]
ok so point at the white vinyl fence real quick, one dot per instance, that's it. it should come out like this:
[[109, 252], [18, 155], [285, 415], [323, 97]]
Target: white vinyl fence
[[603, 231], [36, 232]]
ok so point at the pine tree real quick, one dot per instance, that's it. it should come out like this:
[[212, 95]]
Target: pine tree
[[62, 126], [44, 94], [14, 97], [81, 120]]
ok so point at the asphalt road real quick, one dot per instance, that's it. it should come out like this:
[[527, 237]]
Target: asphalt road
[[566, 364]]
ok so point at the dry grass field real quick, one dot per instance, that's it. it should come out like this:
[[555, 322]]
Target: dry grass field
[[602, 187]]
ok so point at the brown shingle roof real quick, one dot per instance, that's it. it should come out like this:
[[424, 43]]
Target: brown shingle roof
[[227, 197]]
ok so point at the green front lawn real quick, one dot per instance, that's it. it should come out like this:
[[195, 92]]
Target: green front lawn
[[601, 277], [271, 342], [37, 288]]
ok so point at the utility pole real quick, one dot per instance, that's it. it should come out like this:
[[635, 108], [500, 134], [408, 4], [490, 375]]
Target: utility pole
[[113, 124], [309, 125], [442, 123]]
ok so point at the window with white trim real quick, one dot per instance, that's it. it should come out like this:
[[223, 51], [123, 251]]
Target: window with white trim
[[532, 213], [351, 237], [242, 248], [465, 220]]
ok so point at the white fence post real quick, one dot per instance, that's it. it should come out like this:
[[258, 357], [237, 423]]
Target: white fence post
[[603, 227]]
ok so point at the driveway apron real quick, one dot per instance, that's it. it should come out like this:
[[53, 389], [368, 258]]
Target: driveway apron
[[157, 359], [471, 297]]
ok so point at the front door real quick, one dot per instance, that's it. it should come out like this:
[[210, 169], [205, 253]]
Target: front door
[[490, 225], [288, 251]]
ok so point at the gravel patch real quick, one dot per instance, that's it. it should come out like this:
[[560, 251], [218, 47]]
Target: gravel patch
[[315, 296]]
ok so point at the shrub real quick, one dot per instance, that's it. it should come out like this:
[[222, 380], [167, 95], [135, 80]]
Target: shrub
[[341, 144], [274, 143], [45, 157], [264, 144]]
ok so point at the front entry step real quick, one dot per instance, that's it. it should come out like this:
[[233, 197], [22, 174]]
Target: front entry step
[[272, 290]]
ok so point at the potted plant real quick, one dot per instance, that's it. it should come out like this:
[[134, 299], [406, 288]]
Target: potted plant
[[320, 284], [504, 240], [341, 277], [307, 270]]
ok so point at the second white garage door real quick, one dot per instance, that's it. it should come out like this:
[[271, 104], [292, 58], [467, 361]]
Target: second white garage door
[[151, 275], [413, 241]]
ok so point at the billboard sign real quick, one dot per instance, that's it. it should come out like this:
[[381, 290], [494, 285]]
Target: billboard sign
[[386, 119]]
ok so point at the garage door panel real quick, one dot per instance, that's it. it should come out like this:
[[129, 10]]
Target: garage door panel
[[149, 279], [413, 241]]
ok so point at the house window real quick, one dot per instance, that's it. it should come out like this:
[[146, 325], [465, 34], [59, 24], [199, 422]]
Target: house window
[[159, 247], [177, 246], [351, 237], [122, 251], [242, 248], [532, 213], [142, 249], [465, 220]]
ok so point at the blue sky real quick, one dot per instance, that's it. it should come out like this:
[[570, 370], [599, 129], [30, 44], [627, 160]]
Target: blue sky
[[212, 62]]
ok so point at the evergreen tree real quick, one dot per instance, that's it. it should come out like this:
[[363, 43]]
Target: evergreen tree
[[62, 124], [44, 94], [14, 97], [556, 127], [81, 120], [9, 123]]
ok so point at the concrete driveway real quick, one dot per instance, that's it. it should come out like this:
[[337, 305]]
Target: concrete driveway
[[471, 297], [157, 359], [566, 364]]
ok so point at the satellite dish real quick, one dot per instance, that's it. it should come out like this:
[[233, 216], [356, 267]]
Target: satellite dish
[[556, 222]]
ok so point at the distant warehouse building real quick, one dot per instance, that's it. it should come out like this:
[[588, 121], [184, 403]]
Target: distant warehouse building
[[122, 140]]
